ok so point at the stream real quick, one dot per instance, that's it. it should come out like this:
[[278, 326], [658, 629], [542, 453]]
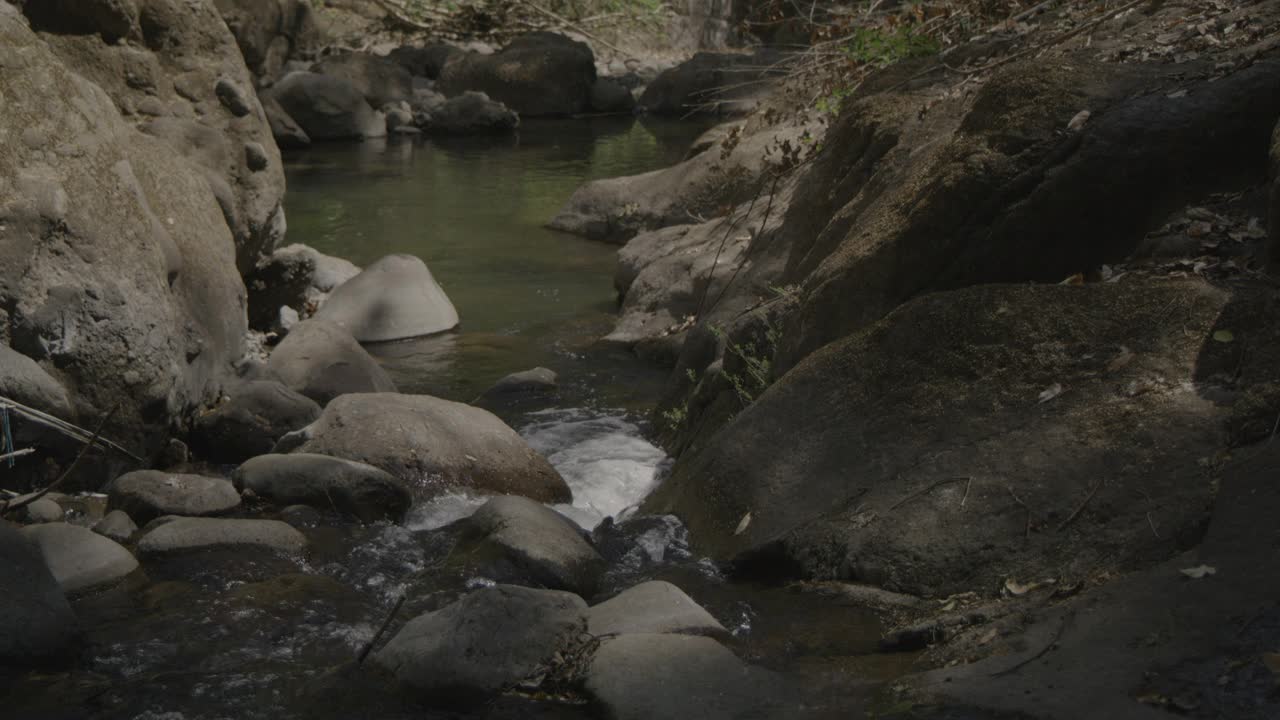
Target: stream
[[248, 635]]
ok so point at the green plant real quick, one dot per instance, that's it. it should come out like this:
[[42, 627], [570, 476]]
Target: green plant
[[879, 47], [756, 361]]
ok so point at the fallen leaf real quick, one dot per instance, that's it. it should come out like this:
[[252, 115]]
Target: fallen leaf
[[1051, 392], [1224, 336], [988, 636], [1077, 279], [1017, 589], [1078, 121], [742, 524], [1200, 571], [1120, 361]]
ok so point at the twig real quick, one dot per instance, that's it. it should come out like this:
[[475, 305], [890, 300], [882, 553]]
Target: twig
[[17, 453], [364, 652], [716, 261], [925, 491], [62, 426], [1274, 428], [8, 507], [965, 499], [1079, 509], [1053, 641], [1027, 533], [398, 15], [1153, 525], [576, 28], [746, 255]]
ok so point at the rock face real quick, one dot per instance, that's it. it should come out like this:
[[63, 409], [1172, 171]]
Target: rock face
[[37, 625], [539, 74], [539, 542], [392, 299], [322, 361], [271, 32], [250, 419], [378, 79], [327, 108], [637, 677], [121, 302], [470, 113], [294, 276], [711, 83], [194, 534], [432, 445], [890, 425], [490, 639], [654, 607], [324, 482], [80, 559], [147, 494]]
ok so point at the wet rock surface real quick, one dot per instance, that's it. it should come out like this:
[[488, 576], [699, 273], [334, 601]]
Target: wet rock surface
[[394, 298], [250, 419], [327, 107], [322, 361], [539, 74], [148, 494], [189, 534], [653, 608], [80, 559], [38, 625], [327, 483]]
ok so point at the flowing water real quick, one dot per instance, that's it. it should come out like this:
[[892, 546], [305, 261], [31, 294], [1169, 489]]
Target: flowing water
[[244, 635]]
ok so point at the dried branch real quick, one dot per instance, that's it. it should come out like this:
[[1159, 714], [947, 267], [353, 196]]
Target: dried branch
[[1080, 508], [9, 507], [925, 491], [364, 652]]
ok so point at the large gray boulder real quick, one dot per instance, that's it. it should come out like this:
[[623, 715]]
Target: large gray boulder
[[148, 494], [123, 305], [37, 625], [116, 525], [380, 80], [195, 534], [80, 559], [392, 299], [322, 361], [489, 640], [249, 419], [433, 445], [325, 482], [640, 677], [654, 607], [327, 107], [271, 32], [24, 381], [538, 74], [540, 544]]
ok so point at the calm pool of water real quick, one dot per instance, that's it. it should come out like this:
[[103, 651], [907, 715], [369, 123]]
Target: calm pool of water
[[474, 209]]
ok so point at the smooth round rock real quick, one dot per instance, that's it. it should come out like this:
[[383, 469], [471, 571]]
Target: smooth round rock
[[43, 510], [148, 494], [348, 487], [189, 534], [37, 625], [392, 299], [654, 607], [322, 361], [545, 545], [250, 420], [79, 558], [116, 525]]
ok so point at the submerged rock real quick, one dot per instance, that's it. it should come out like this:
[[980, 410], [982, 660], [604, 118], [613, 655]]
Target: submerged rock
[[250, 419], [426, 62], [116, 525], [37, 625], [536, 544], [489, 640], [327, 108], [654, 607], [610, 96], [392, 299], [324, 482], [79, 558], [322, 361], [380, 80], [431, 444], [467, 114], [148, 494], [192, 534], [519, 387], [538, 74]]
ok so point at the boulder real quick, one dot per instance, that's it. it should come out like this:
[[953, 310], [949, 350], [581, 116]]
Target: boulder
[[539, 74], [713, 83], [113, 20], [1012, 398], [519, 387], [467, 114], [324, 482], [538, 543], [322, 361], [288, 134], [327, 107], [195, 534], [43, 510], [654, 607], [610, 96], [426, 62], [485, 642], [80, 559], [37, 625], [378, 79], [639, 677], [23, 380], [294, 276], [116, 525], [394, 298], [271, 32], [149, 494], [433, 445], [121, 306], [249, 420]]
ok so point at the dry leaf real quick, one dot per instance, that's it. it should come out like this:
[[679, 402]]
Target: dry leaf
[[1224, 336], [988, 636], [742, 524], [1016, 589], [1120, 361], [1199, 571], [1078, 121], [1077, 279], [1051, 392]]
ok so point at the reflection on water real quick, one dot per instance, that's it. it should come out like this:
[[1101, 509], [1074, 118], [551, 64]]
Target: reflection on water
[[474, 209]]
